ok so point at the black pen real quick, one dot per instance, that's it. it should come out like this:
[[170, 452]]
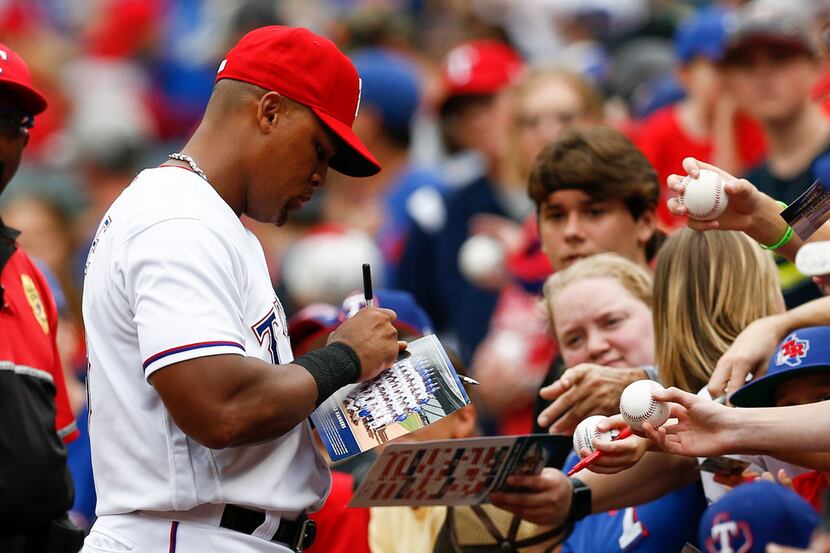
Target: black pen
[[367, 285]]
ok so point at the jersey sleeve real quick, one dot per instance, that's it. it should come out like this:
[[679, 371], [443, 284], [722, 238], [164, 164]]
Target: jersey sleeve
[[184, 282]]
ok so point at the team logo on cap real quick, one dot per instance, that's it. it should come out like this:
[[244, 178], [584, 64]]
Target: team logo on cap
[[729, 536], [792, 351], [460, 63]]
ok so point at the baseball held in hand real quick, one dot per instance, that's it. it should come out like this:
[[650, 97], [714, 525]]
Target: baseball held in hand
[[480, 256], [587, 431], [638, 407], [704, 197]]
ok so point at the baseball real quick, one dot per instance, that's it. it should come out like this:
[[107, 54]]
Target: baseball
[[587, 431], [638, 407], [704, 197], [480, 256]]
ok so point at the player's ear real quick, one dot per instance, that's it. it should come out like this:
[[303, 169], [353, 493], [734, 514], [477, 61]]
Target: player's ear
[[270, 108]]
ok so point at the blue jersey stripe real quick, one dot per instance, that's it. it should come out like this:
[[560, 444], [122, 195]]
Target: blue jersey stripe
[[188, 347]]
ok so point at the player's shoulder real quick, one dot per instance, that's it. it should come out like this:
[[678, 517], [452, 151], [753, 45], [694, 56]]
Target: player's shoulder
[[168, 193]]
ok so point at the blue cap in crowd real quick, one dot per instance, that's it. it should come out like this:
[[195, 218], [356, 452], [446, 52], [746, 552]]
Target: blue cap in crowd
[[702, 35], [754, 515], [805, 351], [411, 316], [390, 84], [310, 324]]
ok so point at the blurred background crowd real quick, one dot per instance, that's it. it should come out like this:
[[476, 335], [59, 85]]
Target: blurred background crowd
[[458, 99]]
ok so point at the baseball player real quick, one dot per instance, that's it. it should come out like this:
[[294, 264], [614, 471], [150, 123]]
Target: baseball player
[[198, 409]]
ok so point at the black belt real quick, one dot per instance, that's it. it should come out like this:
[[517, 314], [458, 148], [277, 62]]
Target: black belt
[[294, 534]]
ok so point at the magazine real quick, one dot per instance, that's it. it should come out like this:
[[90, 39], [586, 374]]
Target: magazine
[[419, 389], [455, 472]]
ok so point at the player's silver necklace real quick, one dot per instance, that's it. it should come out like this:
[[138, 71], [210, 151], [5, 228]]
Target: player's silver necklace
[[189, 160]]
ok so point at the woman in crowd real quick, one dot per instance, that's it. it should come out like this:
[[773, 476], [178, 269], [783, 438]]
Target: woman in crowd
[[600, 310]]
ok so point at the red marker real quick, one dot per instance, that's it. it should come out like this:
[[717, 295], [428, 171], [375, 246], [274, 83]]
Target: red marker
[[597, 454]]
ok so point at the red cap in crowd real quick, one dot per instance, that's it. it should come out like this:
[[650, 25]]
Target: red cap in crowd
[[479, 67], [16, 83], [308, 69]]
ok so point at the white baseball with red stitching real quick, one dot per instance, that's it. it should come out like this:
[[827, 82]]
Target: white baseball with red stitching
[[587, 431], [637, 406], [704, 197]]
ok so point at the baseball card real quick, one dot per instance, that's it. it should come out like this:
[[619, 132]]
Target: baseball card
[[723, 466], [420, 388], [809, 211], [454, 472]]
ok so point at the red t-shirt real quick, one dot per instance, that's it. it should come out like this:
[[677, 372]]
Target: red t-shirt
[[811, 486], [28, 328], [665, 143], [340, 528]]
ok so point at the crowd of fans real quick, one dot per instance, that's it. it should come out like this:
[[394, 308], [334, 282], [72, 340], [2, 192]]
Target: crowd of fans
[[552, 129]]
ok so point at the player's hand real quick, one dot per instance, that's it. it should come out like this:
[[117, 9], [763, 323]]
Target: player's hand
[[703, 427], [373, 338], [547, 501], [584, 390], [748, 354], [617, 455], [744, 198]]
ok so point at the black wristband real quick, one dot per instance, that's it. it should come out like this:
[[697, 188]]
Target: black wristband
[[332, 367], [581, 505]]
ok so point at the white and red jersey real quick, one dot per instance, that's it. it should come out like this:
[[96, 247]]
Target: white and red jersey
[[172, 275]]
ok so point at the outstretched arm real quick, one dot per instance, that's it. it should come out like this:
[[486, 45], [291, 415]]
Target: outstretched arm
[[706, 428], [752, 349], [549, 500], [749, 210]]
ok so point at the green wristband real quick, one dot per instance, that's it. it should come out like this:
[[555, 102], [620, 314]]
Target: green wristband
[[785, 238]]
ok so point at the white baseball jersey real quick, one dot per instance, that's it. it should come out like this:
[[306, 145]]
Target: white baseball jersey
[[172, 275]]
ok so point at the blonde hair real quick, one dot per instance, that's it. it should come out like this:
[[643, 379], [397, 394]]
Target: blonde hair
[[634, 278], [708, 286]]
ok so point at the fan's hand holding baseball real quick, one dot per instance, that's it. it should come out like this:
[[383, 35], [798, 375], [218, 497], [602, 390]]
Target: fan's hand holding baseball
[[704, 427], [547, 501], [748, 354], [373, 338], [741, 199], [620, 454], [583, 390]]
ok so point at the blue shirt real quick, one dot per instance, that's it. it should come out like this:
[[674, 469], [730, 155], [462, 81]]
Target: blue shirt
[[660, 526]]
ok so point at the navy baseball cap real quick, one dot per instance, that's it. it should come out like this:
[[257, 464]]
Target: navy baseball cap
[[391, 85], [411, 317], [307, 326], [702, 34], [755, 514], [805, 351]]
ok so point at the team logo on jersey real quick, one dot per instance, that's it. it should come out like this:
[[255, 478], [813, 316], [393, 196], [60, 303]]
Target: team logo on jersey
[[729, 536], [33, 297], [269, 327], [792, 351]]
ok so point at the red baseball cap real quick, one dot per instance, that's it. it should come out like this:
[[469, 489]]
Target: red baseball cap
[[479, 67], [16, 83], [308, 69]]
